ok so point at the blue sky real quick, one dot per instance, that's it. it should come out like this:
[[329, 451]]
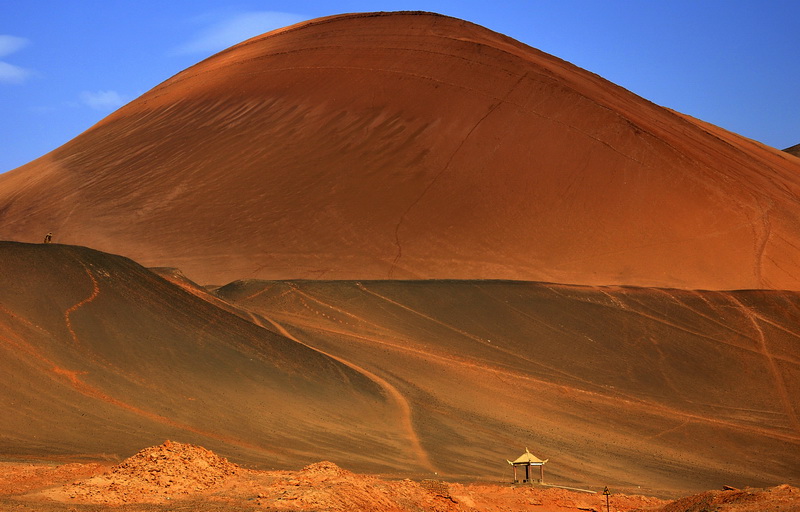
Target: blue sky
[[66, 64]]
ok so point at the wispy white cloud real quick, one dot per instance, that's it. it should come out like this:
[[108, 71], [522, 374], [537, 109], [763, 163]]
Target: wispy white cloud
[[234, 29], [9, 73], [11, 44], [103, 100]]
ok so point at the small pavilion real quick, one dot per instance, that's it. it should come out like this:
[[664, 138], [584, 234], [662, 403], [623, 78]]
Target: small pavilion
[[526, 460]]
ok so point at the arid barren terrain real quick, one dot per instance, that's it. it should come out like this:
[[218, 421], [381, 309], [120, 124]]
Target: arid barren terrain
[[411, 247], [413, 146]]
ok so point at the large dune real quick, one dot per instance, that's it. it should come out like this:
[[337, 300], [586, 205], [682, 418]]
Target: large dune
[[408, 145], [659, 388], [664, 389], [100, 357]]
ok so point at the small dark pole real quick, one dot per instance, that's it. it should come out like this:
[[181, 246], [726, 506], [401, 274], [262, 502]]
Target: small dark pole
[[607, 493]]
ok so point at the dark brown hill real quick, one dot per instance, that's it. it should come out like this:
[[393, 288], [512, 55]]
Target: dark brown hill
[[408, 145], [658, 388], [794, 150], [664, 389], [99, 357]]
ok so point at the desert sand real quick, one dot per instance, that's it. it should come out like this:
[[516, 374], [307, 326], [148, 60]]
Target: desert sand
[[658, 390], [178, 476], [361, 262], [413, 146]]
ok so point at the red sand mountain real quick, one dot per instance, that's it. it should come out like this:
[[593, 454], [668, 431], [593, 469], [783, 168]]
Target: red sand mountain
[[408, 145]]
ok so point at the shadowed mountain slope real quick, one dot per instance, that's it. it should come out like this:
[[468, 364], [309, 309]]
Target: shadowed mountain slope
[[660, 388], [409, 145], [794, 150], [665, 389], [100, 357]]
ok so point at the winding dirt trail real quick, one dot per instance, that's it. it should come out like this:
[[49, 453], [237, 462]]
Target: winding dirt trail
[[599, 393], [603, 395], [406, 415], [68, 313], [81, 386]]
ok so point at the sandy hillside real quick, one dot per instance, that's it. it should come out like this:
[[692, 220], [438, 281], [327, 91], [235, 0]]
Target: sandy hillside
[[655, 388], [644, 389], [99, 357], [412, 145]]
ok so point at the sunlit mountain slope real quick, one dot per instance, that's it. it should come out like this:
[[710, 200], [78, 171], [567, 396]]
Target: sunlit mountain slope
[[412, 145]]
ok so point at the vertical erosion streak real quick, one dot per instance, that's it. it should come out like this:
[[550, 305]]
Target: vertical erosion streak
[[402, 404], [780, 385], [444, 169], [762, 239]]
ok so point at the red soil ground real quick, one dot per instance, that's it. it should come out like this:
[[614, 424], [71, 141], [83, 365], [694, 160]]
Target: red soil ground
[[176, 476]]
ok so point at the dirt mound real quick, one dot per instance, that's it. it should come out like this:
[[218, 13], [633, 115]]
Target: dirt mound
[[157, 472], [176, 463], [783, 498]]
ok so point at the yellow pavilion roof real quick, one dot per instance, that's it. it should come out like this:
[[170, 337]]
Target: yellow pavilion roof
[[528, 458]]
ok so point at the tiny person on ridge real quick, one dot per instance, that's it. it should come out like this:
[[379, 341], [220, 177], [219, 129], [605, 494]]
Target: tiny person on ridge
[[48, 238]]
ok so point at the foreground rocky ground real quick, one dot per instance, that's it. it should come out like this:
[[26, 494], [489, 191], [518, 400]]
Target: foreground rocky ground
[[183, 477]]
